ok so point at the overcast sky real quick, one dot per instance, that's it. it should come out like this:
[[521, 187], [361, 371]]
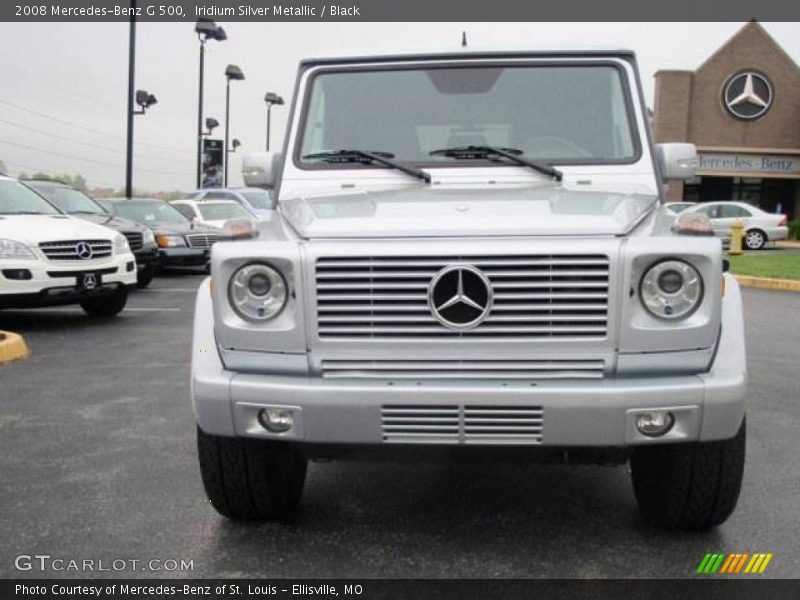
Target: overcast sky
[[67, 83]]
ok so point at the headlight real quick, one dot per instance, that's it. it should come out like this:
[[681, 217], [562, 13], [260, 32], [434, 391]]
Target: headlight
[[10, 249], [170, 241], [671, 289], [148, 239], [257, 292], [121, 245]]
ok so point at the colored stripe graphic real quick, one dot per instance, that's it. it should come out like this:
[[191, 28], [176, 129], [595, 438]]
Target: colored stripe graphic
[[733, 563]]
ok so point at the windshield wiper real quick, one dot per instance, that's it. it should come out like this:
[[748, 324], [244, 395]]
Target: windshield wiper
[[512, 154], [85, 212], [362, 156], [23, 212]]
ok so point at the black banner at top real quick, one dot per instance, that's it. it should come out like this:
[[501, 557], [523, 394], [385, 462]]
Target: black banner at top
[[399, 10]]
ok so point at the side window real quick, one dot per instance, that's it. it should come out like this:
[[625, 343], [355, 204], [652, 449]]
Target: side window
[[732, 212], [706, 210], [219, 196], [186, 210]]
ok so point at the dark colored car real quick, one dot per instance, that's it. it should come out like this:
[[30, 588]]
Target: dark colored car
[[180, 242], [74, 202]]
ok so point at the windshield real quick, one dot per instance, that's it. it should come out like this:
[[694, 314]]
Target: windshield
[[16, 198], [69, 200], [217, 211], [556, 114], [259, 200], [149, 212]]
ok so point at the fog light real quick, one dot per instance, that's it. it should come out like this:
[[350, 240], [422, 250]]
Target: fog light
[[276, 420], [656, 423]]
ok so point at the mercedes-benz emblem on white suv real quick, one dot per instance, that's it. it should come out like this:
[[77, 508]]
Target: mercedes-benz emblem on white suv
[[747, 95], [83, 250], [460, 297]]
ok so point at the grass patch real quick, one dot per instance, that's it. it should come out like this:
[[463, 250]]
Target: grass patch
[[780, 266]]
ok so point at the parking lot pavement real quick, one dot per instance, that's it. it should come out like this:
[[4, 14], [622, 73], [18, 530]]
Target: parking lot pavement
[[97, 454]]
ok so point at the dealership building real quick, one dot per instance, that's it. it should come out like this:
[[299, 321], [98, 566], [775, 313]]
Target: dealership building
[[741, 108]]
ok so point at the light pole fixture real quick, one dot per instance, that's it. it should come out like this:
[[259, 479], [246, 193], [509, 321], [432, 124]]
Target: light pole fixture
[[234, 145], [211, 125], [271, 98], [232, 73], [206, 30], [145, 100]]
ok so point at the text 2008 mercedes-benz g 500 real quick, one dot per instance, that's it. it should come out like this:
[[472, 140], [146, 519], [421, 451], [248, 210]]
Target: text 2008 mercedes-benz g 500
[[470, 253]]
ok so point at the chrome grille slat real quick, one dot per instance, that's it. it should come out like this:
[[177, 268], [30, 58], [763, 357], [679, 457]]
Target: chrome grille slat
[[201, 240], [67, 249], [135, 240], [473, 369], [463, 424], [535, 296]]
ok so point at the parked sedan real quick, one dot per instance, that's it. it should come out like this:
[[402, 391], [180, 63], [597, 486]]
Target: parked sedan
[[760, 226], [74, 202], [256, 200], [212, 213], [678, 207], [180, 241]]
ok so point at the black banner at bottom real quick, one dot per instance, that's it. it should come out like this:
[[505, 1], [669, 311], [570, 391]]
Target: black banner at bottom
[[369, 589]]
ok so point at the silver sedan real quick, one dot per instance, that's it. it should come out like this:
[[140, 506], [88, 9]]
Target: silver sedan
[[760, 226]]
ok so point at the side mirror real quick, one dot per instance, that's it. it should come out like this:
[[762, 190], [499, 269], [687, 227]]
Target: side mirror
[[261, 169], [677, 160]]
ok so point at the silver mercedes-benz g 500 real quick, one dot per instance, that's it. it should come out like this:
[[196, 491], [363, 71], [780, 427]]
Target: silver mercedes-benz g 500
[[470, 258]]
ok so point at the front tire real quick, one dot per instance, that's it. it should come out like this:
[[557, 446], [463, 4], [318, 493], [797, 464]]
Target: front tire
[[755, 239], [689, 485], [144, 276], [107, 306], [248, 479]]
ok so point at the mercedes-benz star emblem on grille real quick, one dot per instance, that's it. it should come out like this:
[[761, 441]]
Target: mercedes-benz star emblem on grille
[[747, 95], [460, 297], [83, 250]]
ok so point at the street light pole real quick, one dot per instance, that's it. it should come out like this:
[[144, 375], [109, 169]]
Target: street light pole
[[131, 84], [206, 30], [269, 114], [271, 98], [200, 111], [227, 122], [232, 72]]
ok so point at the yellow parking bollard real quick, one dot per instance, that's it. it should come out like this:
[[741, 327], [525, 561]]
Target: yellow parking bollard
[[737, 232]]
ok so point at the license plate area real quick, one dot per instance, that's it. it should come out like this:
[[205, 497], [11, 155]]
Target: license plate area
[[89, 281]]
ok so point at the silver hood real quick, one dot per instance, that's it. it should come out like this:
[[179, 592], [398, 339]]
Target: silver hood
[[465, 212]]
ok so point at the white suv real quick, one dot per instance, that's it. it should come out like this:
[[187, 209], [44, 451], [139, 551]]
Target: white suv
[[48, 258]]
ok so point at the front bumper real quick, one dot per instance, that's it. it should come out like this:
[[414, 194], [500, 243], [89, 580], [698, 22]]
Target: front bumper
[[180, 257], [706, 406], [56, 283], [146, 257]]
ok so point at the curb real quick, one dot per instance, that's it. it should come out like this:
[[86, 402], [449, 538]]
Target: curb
[[12, 347], [768, 283]]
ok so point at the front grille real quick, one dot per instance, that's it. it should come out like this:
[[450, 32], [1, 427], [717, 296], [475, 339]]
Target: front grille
[[536, 296], [76, 249], [202, 240], [463, 369], [462, 424], [135, 240]]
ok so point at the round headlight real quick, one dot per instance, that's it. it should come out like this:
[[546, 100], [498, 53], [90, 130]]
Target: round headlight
[[257, 292], [671, 289]]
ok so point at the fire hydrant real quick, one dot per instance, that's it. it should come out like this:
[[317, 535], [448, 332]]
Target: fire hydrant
[[737, 231]]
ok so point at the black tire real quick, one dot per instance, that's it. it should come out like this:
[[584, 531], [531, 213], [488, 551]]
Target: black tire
[[755, 239], [144, 276], [248, 479], [689, 486], [106, 306]]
